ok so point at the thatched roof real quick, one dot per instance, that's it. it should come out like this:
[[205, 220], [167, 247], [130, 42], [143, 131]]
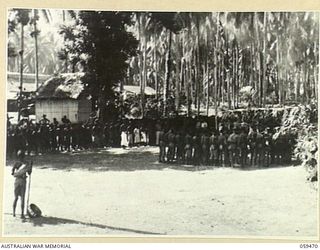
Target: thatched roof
[[64, 86]]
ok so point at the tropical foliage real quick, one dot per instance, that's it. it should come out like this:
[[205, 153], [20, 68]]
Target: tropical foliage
[[200, 61]]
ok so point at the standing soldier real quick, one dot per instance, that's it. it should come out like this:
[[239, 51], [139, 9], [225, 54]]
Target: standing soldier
[[162, 146], [232, 147], [188, 148], [67, 137], [55, 126], [243, 147], [158, 130], [252, 135], [196, 149], [131, 135], [171, 146], [60, 132], [267, 146], [222, 141], [44, 120], [65, 120], [205, 148], [179, 147], [55, 122], [213, 142], [260, 148]]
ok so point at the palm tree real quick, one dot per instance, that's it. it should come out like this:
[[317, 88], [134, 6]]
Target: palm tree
[[22, 18], [47, 15]]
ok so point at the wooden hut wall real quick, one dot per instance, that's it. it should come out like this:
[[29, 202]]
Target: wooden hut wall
[[57, 109]]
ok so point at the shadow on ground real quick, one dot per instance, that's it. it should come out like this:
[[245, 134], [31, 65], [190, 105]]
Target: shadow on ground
[[118, 159], [144, 158], [44, 220]]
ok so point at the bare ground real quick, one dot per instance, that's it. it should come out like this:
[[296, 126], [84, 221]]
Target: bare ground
[[126, 192]]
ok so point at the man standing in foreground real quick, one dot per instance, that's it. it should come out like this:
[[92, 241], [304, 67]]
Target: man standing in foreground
[[20, 169]]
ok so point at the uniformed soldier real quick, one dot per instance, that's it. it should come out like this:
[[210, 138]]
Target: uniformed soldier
[[252, 136], [171, 146], [213, 142], [67, 137], [242, 145], [44, 120], [260, 148], [179, 142], [65, 120], [222, 142], [232, 147], [196, 149], [188, 148], [205, 146], [162, 146], [267, 146]]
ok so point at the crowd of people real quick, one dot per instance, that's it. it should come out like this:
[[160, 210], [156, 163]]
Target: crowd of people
[[236, 138], [51, 136], [238, 144]]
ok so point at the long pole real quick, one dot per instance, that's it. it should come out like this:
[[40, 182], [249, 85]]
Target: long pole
[[29, 185]]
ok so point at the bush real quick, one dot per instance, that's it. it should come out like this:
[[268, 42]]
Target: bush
[[298, 120]]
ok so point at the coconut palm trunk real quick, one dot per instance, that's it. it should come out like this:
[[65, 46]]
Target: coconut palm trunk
[[36, 66], [177, 75], [216, 74], [198, 65], [167, 76], [264, 81], [21, 70]]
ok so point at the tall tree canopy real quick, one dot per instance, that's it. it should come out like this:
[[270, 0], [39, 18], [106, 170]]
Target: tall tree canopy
[[195, 61], [103, 46]]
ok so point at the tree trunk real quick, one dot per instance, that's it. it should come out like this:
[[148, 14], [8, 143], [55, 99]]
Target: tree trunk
[[21, 70], [236, 87], [297, 87], [258, 61], [177, 76], [167, 76], [144, 80], [305, 80], [216, 74], [264, 82], [198, 65], [206, 74], [228, 75], [187, 80], [155, 66], [279, 71], [316, 80], [36, 48], [234, 75]]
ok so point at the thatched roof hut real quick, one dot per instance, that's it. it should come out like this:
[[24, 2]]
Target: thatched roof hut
[[64, 86], [63, 95]]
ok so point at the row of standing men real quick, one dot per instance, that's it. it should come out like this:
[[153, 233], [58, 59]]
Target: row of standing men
[[52, 136], [239, 146]]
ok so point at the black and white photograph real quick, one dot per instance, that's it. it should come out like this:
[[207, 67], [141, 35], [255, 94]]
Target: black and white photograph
[[161, 124]]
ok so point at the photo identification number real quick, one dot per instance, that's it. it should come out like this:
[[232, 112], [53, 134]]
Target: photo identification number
[[308, 245]]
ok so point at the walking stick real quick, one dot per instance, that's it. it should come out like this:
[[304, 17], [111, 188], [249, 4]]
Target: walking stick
[[29, 185], [29, 191]]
